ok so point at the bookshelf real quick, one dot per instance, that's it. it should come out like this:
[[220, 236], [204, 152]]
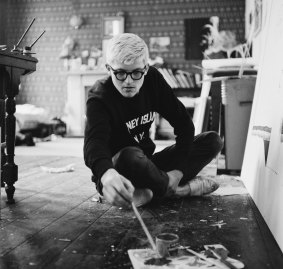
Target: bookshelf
[[187, 87], [180, 79]]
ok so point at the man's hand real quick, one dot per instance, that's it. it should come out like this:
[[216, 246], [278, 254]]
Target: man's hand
[[117, 190]]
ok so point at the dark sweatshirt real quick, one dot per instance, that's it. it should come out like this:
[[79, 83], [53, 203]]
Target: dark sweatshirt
[[114, 121]]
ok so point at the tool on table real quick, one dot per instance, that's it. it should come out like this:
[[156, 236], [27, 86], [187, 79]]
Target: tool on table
[[16, 47], [27, 49], [143, 226], [221, 259], [217, 264]]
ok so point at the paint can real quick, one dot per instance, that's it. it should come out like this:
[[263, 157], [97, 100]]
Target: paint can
[[165, 243]]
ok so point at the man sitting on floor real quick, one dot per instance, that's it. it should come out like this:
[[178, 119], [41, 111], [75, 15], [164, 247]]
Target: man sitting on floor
[[117, 146]]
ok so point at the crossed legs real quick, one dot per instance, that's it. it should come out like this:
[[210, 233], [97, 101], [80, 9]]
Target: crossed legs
[[167, 172]]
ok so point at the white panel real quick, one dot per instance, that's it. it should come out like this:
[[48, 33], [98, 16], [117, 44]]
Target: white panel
[[263, 178]]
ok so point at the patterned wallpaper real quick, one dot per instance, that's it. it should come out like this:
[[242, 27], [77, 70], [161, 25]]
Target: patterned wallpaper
[[147, 18]]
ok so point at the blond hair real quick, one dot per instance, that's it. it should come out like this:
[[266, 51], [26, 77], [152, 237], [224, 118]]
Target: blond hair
[[126, 48]]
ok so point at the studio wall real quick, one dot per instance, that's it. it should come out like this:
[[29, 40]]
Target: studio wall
[[147, 18], [3, 7]]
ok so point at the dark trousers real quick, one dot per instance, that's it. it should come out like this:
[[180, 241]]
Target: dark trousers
[[150, 173]]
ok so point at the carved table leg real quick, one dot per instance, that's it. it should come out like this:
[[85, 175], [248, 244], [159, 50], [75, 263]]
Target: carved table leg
[[3, 86], [10, 190], [12, 67], [10, 169]]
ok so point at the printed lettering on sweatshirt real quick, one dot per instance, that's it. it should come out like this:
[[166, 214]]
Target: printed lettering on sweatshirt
[[136, 126]]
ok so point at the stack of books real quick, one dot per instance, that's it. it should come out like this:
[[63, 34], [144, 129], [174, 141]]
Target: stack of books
[[180, 79]]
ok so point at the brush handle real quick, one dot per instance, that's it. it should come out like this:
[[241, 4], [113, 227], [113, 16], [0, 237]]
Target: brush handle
[[230, 265], [220, 266], [144, 227], [37, 38], [25, 32]]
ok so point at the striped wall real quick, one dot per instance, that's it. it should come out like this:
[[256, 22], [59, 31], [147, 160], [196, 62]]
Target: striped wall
[[148, 18]]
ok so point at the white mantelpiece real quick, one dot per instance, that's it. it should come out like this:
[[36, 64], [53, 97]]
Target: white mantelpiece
[[77, 83]]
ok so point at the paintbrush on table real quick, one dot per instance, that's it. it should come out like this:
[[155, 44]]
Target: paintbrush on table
[[221, 259], [210, 261], [149, 237]]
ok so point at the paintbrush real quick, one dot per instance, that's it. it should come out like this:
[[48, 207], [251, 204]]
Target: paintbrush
[[149, 237], [230, 265], [218, 265]]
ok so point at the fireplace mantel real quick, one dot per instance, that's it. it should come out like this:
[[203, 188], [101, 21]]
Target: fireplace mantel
[[77, 85]]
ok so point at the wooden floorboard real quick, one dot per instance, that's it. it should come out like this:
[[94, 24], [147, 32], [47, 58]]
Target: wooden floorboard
[[57, 223]]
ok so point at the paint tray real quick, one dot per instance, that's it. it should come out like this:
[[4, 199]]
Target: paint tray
[[147, 259]]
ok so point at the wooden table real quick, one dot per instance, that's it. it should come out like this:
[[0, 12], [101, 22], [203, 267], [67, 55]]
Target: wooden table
[[12, 67]]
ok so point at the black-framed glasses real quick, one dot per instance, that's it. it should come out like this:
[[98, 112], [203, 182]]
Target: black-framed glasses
[[122, 75]]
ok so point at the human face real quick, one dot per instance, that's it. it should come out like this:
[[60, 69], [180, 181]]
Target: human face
[[128, 87]]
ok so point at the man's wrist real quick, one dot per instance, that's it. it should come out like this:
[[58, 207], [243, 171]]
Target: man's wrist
[[105, 175], [101, 166]]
